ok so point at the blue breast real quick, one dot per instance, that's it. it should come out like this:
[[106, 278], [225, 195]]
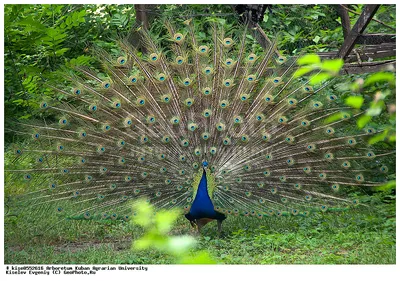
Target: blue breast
[[202, 206]]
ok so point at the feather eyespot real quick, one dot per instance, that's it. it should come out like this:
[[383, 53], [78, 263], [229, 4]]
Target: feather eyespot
[[227, 42], [106, 84], [121, 60], [153, 57], [203, 49], [178, 37]]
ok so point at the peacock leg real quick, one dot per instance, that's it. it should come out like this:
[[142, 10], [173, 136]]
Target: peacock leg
[[219, 224], [200, 223], [199, 227], [193, 223]]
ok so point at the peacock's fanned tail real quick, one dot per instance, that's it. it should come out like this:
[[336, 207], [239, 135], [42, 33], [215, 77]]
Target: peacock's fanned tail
[[145, 130]]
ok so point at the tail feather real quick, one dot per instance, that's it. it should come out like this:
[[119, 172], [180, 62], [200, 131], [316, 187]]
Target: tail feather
[[145, 125]]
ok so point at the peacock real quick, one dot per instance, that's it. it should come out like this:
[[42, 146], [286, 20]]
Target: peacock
[[197, 118]]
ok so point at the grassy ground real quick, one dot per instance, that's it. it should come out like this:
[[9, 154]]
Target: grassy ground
[[358, 237]]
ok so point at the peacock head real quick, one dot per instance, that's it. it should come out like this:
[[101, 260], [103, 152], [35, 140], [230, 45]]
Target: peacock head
[[205, 164]]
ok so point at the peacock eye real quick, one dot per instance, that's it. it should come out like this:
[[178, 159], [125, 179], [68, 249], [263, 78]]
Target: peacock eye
[[203, 49]]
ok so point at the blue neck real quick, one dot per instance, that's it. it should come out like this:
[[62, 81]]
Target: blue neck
[[202, 206]]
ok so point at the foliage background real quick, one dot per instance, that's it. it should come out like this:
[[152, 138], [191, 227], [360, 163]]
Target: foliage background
[[41, 40]]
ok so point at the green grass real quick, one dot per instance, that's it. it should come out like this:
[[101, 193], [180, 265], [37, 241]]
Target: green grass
[[358, 237]]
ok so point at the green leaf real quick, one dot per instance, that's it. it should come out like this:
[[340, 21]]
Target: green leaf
[[319, 78], [144, 213], [378, 137], [334, 117], [61, 51], [332, 65], [302, 71], [380, 77], [374, 110], [387, 187], [25, 117], [81, 15], [31, 22], [151, 239], [363, 120], [355, 101], [199, 258], [142, 243], [180, 244], [81, 60], [309, 59], [316, 39], [19, 101], [166, 219]]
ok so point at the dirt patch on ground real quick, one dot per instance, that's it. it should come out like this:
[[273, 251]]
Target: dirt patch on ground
[[78, 246], [74, 247]]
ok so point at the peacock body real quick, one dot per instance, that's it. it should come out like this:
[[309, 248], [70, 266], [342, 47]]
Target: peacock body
[[213, 125]]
